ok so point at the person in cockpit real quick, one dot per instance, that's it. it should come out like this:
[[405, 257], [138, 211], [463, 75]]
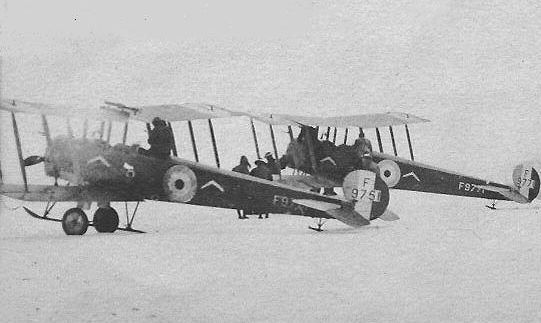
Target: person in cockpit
[[363, 149], [160, 139]]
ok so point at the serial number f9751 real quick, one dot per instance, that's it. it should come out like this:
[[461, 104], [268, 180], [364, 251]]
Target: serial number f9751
[[372, 195]]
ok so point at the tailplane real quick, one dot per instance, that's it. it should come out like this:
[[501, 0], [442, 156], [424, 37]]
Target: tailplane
[[525, 186]]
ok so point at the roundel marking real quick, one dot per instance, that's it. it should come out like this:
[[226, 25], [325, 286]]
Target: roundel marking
[[180, 183], [389, 171]]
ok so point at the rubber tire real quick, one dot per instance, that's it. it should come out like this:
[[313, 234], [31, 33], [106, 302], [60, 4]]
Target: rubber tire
[[67, 223], [105, 220]]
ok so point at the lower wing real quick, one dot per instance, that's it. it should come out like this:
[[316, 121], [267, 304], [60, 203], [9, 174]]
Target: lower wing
[[45, 193]]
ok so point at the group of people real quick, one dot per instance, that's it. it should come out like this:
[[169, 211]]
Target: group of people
[[161, 143], [268, 170]]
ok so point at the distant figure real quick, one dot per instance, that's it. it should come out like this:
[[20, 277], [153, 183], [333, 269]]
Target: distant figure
[[262, 171], [362, 144], [273, 166], [244, 168], [160, 139], [363, 148]]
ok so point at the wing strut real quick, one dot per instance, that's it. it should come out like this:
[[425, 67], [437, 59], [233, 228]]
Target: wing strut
[[102, 129], [328, 133], [109, 127], [175, 152], [192, 136], [308, 138], [70, 129], [346, 136], [255, 138], [334, 136], [125, 133], [273, 141], [19, 150], [211, 128], [409, 142], [290, 131], [85, 128], [380, 145], [392, 139], [46, 130]]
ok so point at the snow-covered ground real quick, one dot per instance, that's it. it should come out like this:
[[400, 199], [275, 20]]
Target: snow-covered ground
[[471, 68], [447, 259]]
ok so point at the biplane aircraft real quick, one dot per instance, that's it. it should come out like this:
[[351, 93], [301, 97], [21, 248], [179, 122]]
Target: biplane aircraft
[[97, 171], [328, 164]]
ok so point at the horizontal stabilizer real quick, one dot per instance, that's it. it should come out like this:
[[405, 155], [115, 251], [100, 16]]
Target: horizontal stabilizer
[[318, 205], [349, 217], [307, 181], [389, 215], [509, 193]]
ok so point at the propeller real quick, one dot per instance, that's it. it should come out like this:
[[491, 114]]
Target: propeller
[[33, 160]]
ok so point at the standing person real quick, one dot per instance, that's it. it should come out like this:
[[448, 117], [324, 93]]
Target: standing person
[[262, 171], [160, 139], [273, 166], [244, 168], [363, 147]]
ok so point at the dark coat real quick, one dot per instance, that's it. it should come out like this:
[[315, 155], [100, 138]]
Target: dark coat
[[363, 146], [273, 166], [262, 171], [160, 140], [242, 168]]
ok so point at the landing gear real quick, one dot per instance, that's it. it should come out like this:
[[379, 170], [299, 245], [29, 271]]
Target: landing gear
[[75, 222], [105, 219], [129, 221], [319, 224]]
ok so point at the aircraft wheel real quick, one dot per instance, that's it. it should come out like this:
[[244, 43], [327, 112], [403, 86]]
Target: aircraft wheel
[[105, 219], [75, 222]]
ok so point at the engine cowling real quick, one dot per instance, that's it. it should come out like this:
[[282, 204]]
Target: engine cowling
[[526, 180]]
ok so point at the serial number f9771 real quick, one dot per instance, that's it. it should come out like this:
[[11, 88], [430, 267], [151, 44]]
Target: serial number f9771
[[469, 187]]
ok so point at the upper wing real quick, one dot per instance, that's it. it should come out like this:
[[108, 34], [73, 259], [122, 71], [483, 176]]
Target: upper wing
[[120, 112], [194, 111], [174, 112], [63, 110], [45, 193], [369, 120]]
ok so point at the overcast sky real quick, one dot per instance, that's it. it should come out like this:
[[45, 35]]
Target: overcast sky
[[472, 67]]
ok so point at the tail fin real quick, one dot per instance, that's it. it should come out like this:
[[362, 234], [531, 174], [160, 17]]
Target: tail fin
[[525, 186], [367, 198], [368, 192], [526, 180]]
